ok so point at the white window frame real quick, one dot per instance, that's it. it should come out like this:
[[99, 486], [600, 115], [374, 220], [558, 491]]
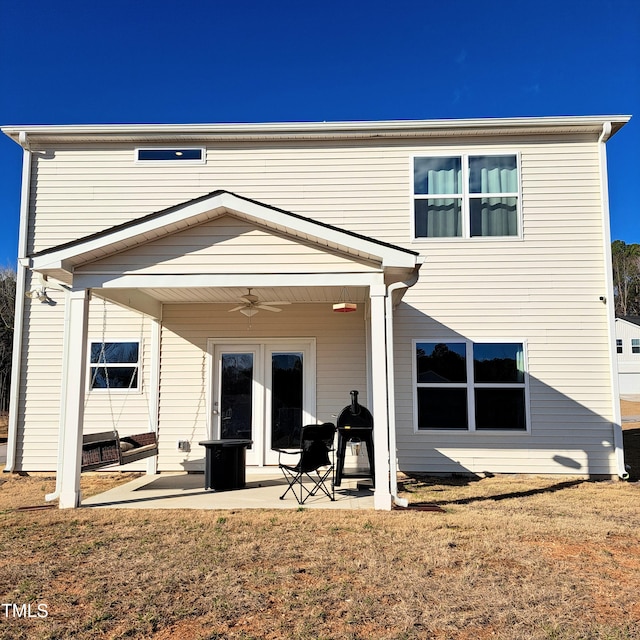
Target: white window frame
[[131, 390], [471, 385], [466, 195], [635, 348], [160, 162]]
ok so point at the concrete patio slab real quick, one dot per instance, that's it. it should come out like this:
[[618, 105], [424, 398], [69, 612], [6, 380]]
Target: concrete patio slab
[[186, 491]]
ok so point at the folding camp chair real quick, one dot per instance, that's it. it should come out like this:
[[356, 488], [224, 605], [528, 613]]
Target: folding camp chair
[[316, 454]]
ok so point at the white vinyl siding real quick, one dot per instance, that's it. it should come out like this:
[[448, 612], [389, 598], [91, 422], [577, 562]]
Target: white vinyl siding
[[543, 287], [227, 245]]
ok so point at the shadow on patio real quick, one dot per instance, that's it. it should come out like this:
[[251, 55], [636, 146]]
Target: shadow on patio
[[186, 491]]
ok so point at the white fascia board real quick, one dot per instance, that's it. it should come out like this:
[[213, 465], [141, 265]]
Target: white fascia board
[[254, 280], [137, 233], [276, 129]]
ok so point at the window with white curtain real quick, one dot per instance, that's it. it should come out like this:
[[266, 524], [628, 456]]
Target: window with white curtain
[[473, 386], [466, 196]]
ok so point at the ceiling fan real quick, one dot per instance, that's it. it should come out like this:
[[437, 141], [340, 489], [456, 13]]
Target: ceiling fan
[[251, 305]]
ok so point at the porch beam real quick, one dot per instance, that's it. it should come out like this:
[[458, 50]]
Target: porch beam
[[254, 280], [133, 299], [73, 390], [379, 387]]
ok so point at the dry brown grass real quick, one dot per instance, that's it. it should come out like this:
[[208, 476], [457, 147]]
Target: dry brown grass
[[4, 426], [510, 558]]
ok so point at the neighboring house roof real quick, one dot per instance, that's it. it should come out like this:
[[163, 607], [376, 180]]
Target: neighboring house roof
[[631, 319]]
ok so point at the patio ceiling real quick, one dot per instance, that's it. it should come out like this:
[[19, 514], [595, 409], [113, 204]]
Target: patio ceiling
[[230, 295]]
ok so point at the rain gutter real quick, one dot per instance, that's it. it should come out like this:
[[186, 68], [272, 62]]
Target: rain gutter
[[618, 445], [18, 323], [391, 402]]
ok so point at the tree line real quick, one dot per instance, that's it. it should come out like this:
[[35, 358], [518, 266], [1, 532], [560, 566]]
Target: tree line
[[626, 277], [7, 305]]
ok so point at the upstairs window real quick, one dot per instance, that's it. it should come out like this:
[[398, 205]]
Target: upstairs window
[[635, 345], [181, 155], [619, 346], [466, 196]]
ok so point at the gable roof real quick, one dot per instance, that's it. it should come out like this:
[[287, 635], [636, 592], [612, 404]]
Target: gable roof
[[631, 319], [168, 221]]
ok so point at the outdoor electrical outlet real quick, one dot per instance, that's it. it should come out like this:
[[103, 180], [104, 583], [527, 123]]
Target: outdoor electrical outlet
[[183, 445]]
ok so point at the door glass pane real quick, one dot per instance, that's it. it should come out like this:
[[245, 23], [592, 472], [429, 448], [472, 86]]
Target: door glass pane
[[236, 399], [286, 400]]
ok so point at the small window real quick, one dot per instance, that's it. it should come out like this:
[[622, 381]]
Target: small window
[[170, 155], [619, 346], [115, 365], [635, 345], [466, 196]]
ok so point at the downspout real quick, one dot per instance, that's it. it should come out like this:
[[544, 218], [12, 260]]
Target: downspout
[[391, 405], [18, 323], [618, 444]]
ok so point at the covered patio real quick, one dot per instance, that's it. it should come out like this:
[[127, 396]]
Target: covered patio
[[168, 265], [262, 491]]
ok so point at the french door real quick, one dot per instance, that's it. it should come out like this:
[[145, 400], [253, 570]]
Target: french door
[[264, 391]]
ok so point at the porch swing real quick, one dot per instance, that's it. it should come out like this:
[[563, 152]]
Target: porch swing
[[107, 447]]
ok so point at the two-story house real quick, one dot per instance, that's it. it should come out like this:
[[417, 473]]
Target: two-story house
[[191, 281]]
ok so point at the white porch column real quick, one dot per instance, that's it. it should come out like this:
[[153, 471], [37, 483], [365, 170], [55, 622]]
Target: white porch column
[[379, 387], [73, 389]]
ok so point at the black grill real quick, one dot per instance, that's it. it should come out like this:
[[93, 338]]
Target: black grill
[[355, 422]]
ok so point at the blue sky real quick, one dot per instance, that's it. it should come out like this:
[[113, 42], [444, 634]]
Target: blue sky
[[130, 61]]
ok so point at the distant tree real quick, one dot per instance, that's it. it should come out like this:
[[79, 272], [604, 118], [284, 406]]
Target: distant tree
[[626, 277], [7, 306]]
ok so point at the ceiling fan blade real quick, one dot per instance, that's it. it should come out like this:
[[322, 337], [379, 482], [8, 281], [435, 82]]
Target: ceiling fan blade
[[279, 302], [267, 307], [238, 308]]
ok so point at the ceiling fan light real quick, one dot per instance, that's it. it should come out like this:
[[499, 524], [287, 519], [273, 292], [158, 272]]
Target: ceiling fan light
[[249, 312]]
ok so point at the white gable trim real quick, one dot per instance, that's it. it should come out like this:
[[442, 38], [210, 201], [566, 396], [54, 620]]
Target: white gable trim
[[195, 212]]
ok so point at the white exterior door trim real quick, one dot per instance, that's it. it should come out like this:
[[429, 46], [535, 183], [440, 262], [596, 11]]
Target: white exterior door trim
[[262, 348]]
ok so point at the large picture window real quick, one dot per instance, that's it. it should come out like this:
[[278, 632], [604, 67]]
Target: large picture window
[[466, 196], [114, 365], [470, 386]]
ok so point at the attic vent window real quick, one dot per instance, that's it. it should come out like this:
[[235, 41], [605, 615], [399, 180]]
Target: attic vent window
[[170, 155]]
